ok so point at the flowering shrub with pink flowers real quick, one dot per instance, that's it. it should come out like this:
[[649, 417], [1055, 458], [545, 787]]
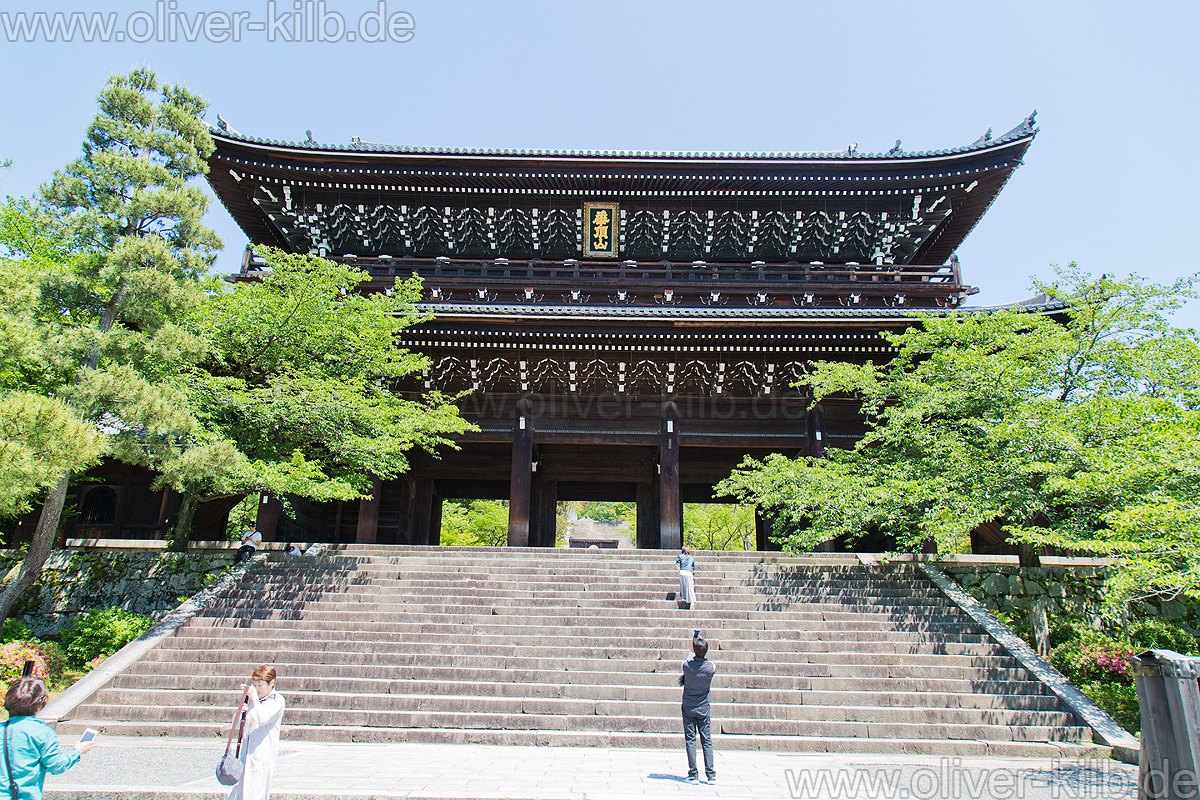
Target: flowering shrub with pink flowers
[[49, 664]]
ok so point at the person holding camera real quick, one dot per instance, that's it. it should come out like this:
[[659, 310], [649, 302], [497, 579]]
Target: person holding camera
[[696, 681], [30, 745], [264, 715]]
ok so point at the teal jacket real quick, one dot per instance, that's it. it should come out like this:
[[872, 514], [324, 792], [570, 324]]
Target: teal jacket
[[34, 748]]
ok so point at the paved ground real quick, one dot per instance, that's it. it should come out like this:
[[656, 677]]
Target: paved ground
[[183, 770]]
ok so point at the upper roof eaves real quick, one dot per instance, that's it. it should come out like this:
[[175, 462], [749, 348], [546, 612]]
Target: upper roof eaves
[[1025, 130]]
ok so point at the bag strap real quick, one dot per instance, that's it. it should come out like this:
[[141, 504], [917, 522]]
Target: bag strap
[[238, 710], [12, 784]]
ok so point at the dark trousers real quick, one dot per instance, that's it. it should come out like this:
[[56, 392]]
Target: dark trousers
[[245, 551], [697, 719]]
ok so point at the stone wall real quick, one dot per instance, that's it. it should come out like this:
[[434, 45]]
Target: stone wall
[[145, 582], [1075, 590]]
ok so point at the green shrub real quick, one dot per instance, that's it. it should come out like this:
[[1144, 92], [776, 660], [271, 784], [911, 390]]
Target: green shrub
[[15, 631], [101, 632], [1154, 634], [1119, 701]]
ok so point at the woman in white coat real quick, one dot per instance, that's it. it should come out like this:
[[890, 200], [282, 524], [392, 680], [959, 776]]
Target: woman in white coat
[[260, 747]]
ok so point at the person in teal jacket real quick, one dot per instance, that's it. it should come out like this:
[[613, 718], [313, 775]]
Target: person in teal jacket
[[32, 746]]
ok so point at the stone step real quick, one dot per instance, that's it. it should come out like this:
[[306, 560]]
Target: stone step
[[661, 647], [633, 723], [762, 678], [392, 658], [245, 639], [219, 685], [518, 605], [632, 617], [629, 587], [467, 703], [781, 744], [583, 627]]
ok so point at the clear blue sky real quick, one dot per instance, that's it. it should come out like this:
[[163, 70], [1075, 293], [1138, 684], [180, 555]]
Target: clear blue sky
[[1110, 182]]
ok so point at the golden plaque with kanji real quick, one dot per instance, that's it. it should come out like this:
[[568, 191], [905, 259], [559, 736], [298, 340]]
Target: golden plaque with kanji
[[600, 223]]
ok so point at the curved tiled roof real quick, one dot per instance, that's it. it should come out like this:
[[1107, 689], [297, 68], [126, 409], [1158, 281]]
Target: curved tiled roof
[[1023, 130]]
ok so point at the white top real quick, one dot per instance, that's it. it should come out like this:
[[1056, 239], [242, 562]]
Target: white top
[[252, 539]]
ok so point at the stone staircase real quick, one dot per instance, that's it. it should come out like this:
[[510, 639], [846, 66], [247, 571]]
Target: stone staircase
[[567, 647]]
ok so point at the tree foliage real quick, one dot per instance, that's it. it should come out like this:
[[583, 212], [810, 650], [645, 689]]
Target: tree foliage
[[1080, 433], [296, 394], [717, 526], [475, 523], [114, 253]]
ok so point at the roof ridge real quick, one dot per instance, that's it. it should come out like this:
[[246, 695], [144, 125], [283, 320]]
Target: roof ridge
[[1026, 129]]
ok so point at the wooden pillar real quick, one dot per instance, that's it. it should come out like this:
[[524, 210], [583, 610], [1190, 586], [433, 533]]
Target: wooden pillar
[[368, 515], [521, 477], [268, 517], [337, 522], [669, 499], [647, 515], [816, 431]]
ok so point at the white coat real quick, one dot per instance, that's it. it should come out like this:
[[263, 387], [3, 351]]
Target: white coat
[[260, 748]]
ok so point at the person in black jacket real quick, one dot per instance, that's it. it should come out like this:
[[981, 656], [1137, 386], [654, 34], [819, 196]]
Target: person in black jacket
[[696, 681]]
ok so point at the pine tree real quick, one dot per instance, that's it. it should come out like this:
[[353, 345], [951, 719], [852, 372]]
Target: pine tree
[[129, 207]]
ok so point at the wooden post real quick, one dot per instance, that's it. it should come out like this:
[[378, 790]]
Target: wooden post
[[268, 517], [816, 431], [521, 478], [670, 502], [368, 515], [647, 515]]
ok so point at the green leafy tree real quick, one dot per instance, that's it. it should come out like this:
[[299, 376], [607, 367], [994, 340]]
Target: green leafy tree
[[300, 374], [718, 526], [1079, 433], [475, 523], [132, 219]]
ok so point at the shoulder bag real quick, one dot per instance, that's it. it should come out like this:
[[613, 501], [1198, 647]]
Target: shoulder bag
[[229, 769]]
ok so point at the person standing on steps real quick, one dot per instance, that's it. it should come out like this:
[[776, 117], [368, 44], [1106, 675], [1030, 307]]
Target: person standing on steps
[[696, 681], [250, 544], [264, 714], [687, 577]]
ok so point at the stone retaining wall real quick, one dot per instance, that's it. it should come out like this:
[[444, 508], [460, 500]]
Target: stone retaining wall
[[1075, 590], [145, 582]]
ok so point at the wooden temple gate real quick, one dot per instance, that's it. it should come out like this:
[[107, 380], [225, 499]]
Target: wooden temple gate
[[629, 325]]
